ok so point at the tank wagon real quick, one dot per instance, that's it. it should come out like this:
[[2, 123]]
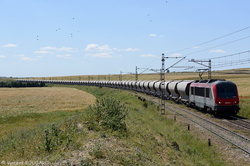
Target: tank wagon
[[218, 96]]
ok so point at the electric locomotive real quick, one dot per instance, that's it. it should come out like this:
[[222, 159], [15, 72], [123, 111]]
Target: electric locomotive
[[218, 96]]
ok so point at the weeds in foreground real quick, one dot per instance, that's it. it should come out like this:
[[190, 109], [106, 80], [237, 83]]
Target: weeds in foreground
[[109, 113], [97, 151], [41, 142], [55, 137]]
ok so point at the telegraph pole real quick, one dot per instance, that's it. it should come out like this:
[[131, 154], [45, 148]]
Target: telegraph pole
[[162, 78], [208, 67], [120, 75], [136, 73]]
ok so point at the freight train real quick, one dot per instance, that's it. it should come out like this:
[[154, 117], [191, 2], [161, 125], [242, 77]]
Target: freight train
[[214, 95]]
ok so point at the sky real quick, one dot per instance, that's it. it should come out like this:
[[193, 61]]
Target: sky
[[40, 38]]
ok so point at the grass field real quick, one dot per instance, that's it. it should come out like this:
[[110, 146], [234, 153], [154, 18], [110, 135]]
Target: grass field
[[14, 101], [26, 107]]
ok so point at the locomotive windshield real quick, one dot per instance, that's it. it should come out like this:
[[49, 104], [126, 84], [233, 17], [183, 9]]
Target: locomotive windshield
[[226, 91]]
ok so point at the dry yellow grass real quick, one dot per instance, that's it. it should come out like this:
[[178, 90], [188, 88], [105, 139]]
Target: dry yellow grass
[[243, 85], [14, 101]]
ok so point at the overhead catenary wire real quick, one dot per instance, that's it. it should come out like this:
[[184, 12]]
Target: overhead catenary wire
[[218, 45], [231, 62], [209, 41], [203, 43], [231, 54], [222, 61]]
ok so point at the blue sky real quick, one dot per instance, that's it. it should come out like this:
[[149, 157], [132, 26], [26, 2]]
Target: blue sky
[[85, 37]]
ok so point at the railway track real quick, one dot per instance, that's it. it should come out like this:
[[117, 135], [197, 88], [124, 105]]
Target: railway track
[[240, 122], [237, 140], [232, 137]]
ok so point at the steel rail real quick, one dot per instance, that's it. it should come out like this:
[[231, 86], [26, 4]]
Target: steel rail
[[239, 122], [236, 134], [235, 117], [210, 130]]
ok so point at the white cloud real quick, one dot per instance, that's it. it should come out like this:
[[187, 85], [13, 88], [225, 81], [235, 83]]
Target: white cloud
[[148, 55], [28, 59], [101, 55], [152, 35], [25, 58], [116, 49], [176, 55], [105, 51], [155, 35], [53, 50], [195, 47], [20, 55], [96, 47], [43, 52], [132, 49], [48, 48], [218, 51], [9, 45], [2, 56], [66, 49], [66, 56]]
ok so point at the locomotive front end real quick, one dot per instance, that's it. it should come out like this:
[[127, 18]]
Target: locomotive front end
[[226, 97]]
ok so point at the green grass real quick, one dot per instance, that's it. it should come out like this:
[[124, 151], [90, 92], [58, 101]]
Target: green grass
[[38, 142], [150, 139], [244, 108], [31, 120]]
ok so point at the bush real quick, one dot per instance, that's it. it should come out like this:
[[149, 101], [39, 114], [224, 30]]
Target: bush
[[108, 113]]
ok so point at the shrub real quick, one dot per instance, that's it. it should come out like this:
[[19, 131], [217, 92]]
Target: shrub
[[59, 136], [97, 151], [109, 113]]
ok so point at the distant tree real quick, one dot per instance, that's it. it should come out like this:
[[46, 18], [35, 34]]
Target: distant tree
[[16, 84]]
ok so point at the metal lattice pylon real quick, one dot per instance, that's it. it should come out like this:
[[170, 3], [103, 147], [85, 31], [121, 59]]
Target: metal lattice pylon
[[162, 74]]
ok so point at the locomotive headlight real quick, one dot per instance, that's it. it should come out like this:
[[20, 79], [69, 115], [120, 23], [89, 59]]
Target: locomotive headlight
[[219, 102]]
